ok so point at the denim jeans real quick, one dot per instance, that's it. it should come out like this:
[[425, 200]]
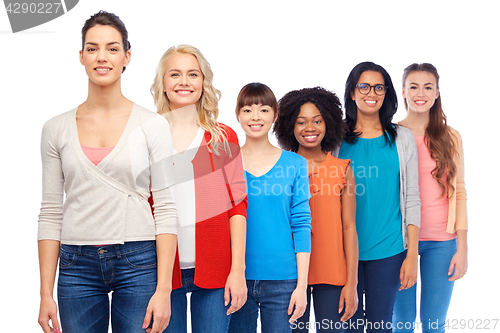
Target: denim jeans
[[208, 313], [326, 299], [436, 290], [272, 297], [379, 281], [87, 274]]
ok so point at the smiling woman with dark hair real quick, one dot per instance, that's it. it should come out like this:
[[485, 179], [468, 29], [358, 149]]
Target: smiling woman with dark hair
[[384, 161], [326, 102], [310, 123], [95, 216]]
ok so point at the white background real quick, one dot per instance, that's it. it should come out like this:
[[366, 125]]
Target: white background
[[285, 44]]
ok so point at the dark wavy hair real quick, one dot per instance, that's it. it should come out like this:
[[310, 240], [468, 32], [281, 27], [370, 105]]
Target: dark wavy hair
[[387, 110], [328, 105], [105, 18]]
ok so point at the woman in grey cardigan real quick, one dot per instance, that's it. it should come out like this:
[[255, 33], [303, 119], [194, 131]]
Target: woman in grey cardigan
[[100, 162], [384, 161]]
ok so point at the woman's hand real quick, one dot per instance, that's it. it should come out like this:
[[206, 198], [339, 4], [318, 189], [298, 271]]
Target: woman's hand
[[459, 264], [235, 292], [48, 314], [299, 301], [409, 271], [459, 260], [159, 310], [349, 297]]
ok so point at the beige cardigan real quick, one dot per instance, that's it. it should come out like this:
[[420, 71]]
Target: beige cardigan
[[85, 204], [457, 214]]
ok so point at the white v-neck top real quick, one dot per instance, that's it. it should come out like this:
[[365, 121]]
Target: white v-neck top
[[107, 203], [184, 196]]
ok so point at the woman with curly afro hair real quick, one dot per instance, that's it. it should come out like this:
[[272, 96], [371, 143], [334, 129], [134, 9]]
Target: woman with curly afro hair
[[310, 124]]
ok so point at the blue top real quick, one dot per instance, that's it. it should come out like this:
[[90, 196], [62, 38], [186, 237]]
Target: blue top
[[375, 164], [278, 208]]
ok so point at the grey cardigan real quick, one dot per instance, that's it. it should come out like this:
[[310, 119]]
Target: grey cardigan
[[408, 170]]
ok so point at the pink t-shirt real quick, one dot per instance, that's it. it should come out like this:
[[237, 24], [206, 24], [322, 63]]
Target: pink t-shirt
[[96, 155], [434, 209]]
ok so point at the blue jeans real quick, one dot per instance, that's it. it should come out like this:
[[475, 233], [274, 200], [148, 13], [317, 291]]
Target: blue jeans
[[208, 313], [379, 281], [326, 299], [436, 290], [87, 274], [272, 297]]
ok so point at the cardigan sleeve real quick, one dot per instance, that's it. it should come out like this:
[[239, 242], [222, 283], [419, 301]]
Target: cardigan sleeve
[[461, 194], [162, 175], [412, 190], [235, 181], [50, 217], [299, 209]]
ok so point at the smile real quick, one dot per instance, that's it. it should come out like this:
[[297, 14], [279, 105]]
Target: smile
[[256, 126], [102, 70], [310, 137], [183, 92], [420, 102]]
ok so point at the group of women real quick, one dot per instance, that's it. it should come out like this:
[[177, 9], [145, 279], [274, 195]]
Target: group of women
[[152, 206]]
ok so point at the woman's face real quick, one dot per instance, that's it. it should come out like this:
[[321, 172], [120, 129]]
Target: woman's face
[[103, 55], [420, 91], [183, 80], [370, 103], [309, 127], [256, 120]]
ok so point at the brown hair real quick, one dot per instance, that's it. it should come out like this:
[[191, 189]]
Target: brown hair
[[439, 139], [105, 18]]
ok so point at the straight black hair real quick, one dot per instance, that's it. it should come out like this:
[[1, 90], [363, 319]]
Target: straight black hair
[[387, 110]]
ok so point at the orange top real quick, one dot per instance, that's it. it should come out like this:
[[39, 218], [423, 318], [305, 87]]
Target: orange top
[[327, 263]]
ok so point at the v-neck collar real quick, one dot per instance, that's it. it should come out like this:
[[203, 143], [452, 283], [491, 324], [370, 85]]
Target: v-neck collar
[[121, 142]]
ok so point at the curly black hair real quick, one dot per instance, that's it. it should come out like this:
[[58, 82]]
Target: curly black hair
[[328, 105]]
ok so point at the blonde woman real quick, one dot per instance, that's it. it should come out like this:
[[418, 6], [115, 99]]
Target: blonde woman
[[209, 193]]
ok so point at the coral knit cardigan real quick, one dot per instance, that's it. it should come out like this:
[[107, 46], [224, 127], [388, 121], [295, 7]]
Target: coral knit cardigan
[[220, 192]]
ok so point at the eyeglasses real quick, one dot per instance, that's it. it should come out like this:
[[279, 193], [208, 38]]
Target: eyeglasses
[[365, 88]]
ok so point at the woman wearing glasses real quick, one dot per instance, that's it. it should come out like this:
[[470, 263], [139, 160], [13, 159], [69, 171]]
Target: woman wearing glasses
[[443, 235], [384, 161]]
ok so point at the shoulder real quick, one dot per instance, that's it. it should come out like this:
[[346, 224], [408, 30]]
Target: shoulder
[[455, 134], [332, 160], [152, 121], [292, 158], [59, 122], [405, 137], [145, 114], [404, 132], [228, 132]]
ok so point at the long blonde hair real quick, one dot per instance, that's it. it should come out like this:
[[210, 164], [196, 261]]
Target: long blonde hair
[[207, 105]]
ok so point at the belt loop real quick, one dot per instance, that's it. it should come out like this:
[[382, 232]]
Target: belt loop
[[118, 252], [79, 250]]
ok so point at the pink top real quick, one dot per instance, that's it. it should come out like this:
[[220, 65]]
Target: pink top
[[96, 155], [434, 208]]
